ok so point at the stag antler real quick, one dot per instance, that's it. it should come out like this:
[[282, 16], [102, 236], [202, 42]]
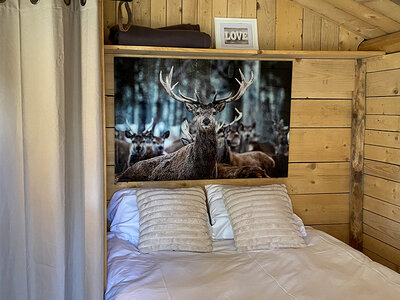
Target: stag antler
[[242, 89], [223, 125], [186, 137], [167, 85], [149, 128]]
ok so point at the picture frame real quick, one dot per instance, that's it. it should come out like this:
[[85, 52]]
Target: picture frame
[[236, 33]]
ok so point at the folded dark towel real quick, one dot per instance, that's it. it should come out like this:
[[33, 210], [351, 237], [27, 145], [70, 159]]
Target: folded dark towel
[[145, 36]]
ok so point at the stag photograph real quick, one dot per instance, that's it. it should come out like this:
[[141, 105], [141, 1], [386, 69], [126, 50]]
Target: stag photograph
[[188, 119]]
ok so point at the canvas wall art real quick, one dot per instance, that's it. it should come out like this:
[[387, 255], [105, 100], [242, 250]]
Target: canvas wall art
[[188, 119]]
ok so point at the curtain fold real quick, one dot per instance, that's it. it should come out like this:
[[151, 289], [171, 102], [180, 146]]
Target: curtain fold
[[51, 211]]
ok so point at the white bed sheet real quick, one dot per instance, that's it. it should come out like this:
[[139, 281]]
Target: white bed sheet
[[325, 269]]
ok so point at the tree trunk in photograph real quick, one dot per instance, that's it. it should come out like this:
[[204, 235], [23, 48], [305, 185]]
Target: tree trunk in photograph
[[357, 157]]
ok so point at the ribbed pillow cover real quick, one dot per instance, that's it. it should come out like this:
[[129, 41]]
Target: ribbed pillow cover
[[262, 217], [173, 219]]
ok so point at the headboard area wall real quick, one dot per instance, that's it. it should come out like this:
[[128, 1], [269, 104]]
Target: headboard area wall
[[320, 142], [381, 215]]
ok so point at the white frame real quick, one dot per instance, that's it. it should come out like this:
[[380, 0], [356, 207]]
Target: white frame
[[221, 23]]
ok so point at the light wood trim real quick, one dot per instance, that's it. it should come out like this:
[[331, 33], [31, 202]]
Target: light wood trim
[[146, 51], [357, 157], [389, 43]]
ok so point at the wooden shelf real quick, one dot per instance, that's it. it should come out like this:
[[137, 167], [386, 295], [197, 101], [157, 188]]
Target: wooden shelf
[[145, 51]]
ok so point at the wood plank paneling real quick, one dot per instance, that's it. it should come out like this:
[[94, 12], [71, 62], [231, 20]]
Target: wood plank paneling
[[288, 34], [383, 189], [382, 208], [386, 251], [323, 78], [220, 8], [382, 63], [234, 8], [385, 7], [322, 208], [319, 145], [339, 231], [380, 169], [388, 155], [329, 35], [382, 229], [379, 122], [205, 19], [385, 83], [141, 13], [389, 43], [174, 12], [266, 24], [109, 111], [311, 30], [348, 41], [249, 8], [158, 13], [375, 257], [320, 113], [382, 138], [190, 12], [108, 18], [383, 105]]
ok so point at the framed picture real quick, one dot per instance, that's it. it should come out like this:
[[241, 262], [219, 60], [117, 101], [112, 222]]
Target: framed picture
[[188, 119], [233, 33]]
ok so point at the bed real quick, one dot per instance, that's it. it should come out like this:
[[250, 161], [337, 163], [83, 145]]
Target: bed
[[325, 268]]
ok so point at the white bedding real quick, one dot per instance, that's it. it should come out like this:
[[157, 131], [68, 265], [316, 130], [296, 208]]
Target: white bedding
[[325, 269]]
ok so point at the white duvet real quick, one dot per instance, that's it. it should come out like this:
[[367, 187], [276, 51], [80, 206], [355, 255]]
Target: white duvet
[[325, 269]]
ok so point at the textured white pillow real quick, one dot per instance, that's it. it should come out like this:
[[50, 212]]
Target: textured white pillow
[[221, 227], [123, 214], [173, 219], [261, 217]]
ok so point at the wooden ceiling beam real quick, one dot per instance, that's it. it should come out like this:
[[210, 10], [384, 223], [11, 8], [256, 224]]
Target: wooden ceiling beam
[[366, 14], [343, 18], [389, 43]]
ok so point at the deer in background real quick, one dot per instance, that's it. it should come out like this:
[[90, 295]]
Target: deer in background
[[197, 160], [249, 159]]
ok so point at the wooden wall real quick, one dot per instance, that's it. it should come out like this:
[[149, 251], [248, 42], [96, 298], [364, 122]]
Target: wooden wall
[[382, 161], [282, 24], [320, 139]]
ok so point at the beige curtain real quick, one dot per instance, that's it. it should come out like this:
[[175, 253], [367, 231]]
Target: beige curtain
[[51, 212]]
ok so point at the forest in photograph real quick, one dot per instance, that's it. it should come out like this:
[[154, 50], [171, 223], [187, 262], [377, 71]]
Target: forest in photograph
[[187, 119]]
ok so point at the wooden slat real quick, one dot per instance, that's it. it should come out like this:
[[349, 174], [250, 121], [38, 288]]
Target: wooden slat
[[141, 13], [348, 41], [329, 35], [304, 178], [341, 17], [339, 231], [389, 43], [204, 15], [108, 18], [110, 148], [158, 13], [220, 8], [234, 8], [383, 105], [378, 122], [109, 74], [190, 12], [385, 83], [385, 7], [382, 208], [319, 145], [311, 30], [174, 12], [322, 209], [375, 257], [147, 51], [366, 14], [288, 34], [323, 79], [266, 24], [391, 61], [379, 227], [249, 8], [357, 157], [386, 251], [383, 154], [382, 189], [380, 169], [109, 106], [320, 113], [382, 138]]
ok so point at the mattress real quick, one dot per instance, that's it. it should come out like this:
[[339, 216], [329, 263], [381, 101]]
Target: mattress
[[325, 269]]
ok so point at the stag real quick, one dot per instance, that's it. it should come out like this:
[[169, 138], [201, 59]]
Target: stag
[[197, 160], [249, 159]]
